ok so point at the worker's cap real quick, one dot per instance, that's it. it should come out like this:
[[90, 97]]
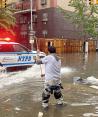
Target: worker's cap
[[52, 49]]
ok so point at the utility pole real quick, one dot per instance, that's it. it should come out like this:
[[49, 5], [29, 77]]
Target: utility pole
[[32, 32], [31, 16]]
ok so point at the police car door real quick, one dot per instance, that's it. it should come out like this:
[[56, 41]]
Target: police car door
[[13, 54], [23, 55], [7, 55]]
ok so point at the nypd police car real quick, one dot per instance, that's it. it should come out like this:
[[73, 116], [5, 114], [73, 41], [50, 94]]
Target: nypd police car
[[14, 54]]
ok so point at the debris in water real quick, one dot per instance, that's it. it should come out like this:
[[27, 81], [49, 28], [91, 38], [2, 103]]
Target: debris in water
[[78, 80], [92, 80], [7, 100], [8, 109], [17, 109], [70, 115], [67, 70], [94, 86], [88, 80], [96, 108], [3, 72], [80, 104], [40, 114], [90, 115]]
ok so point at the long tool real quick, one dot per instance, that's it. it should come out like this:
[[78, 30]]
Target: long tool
[[42, 75]]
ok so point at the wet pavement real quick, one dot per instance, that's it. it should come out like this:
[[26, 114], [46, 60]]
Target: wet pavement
[[20, 92]]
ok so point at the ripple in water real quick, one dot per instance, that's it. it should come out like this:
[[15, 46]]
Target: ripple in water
[[17, 77], [31, 73], [90, 115], [67, 70]]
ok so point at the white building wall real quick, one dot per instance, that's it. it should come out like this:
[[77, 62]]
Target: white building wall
[[61, 3], [64, 4]]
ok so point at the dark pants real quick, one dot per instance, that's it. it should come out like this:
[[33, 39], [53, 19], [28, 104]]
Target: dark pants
[[56, 90]]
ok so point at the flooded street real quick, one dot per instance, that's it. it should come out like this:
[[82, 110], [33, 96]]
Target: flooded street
[[20, 92]]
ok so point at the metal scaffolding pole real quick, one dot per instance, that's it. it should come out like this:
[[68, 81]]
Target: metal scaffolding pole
[[31, 16], [32, 32]]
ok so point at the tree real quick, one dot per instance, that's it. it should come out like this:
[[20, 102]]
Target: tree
[[84, 17], [7, 20]]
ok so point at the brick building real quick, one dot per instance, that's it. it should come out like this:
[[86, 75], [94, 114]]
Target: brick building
[[48, 23]]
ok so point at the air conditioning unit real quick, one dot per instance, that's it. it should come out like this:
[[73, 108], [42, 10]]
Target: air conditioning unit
[[43, 2]]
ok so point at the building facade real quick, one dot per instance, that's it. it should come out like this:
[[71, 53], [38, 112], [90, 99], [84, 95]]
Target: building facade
[[47, 21], [52, 21]]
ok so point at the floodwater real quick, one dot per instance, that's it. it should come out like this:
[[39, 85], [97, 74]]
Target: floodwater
[[20, 92]]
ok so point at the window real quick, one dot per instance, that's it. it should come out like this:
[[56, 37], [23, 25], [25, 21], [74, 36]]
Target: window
[[43, 2], [22, 19], [90, 2], [44, 32], [45, 17], [19, 48], [6, 48], [34, 18]]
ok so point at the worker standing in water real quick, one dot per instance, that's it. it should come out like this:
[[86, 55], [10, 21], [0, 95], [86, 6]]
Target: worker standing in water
[[52, 84]]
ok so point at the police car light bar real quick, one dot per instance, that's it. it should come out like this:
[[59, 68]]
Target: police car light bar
[[5, 39]]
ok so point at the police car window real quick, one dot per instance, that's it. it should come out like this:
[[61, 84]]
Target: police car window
[[19, 48], [6, 48]]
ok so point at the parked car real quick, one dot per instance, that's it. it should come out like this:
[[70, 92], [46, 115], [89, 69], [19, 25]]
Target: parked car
[[13, 54]]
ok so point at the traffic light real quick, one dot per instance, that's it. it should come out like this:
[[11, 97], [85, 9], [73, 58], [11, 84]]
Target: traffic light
[[90, 2], [5, 3], [96, 1]]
